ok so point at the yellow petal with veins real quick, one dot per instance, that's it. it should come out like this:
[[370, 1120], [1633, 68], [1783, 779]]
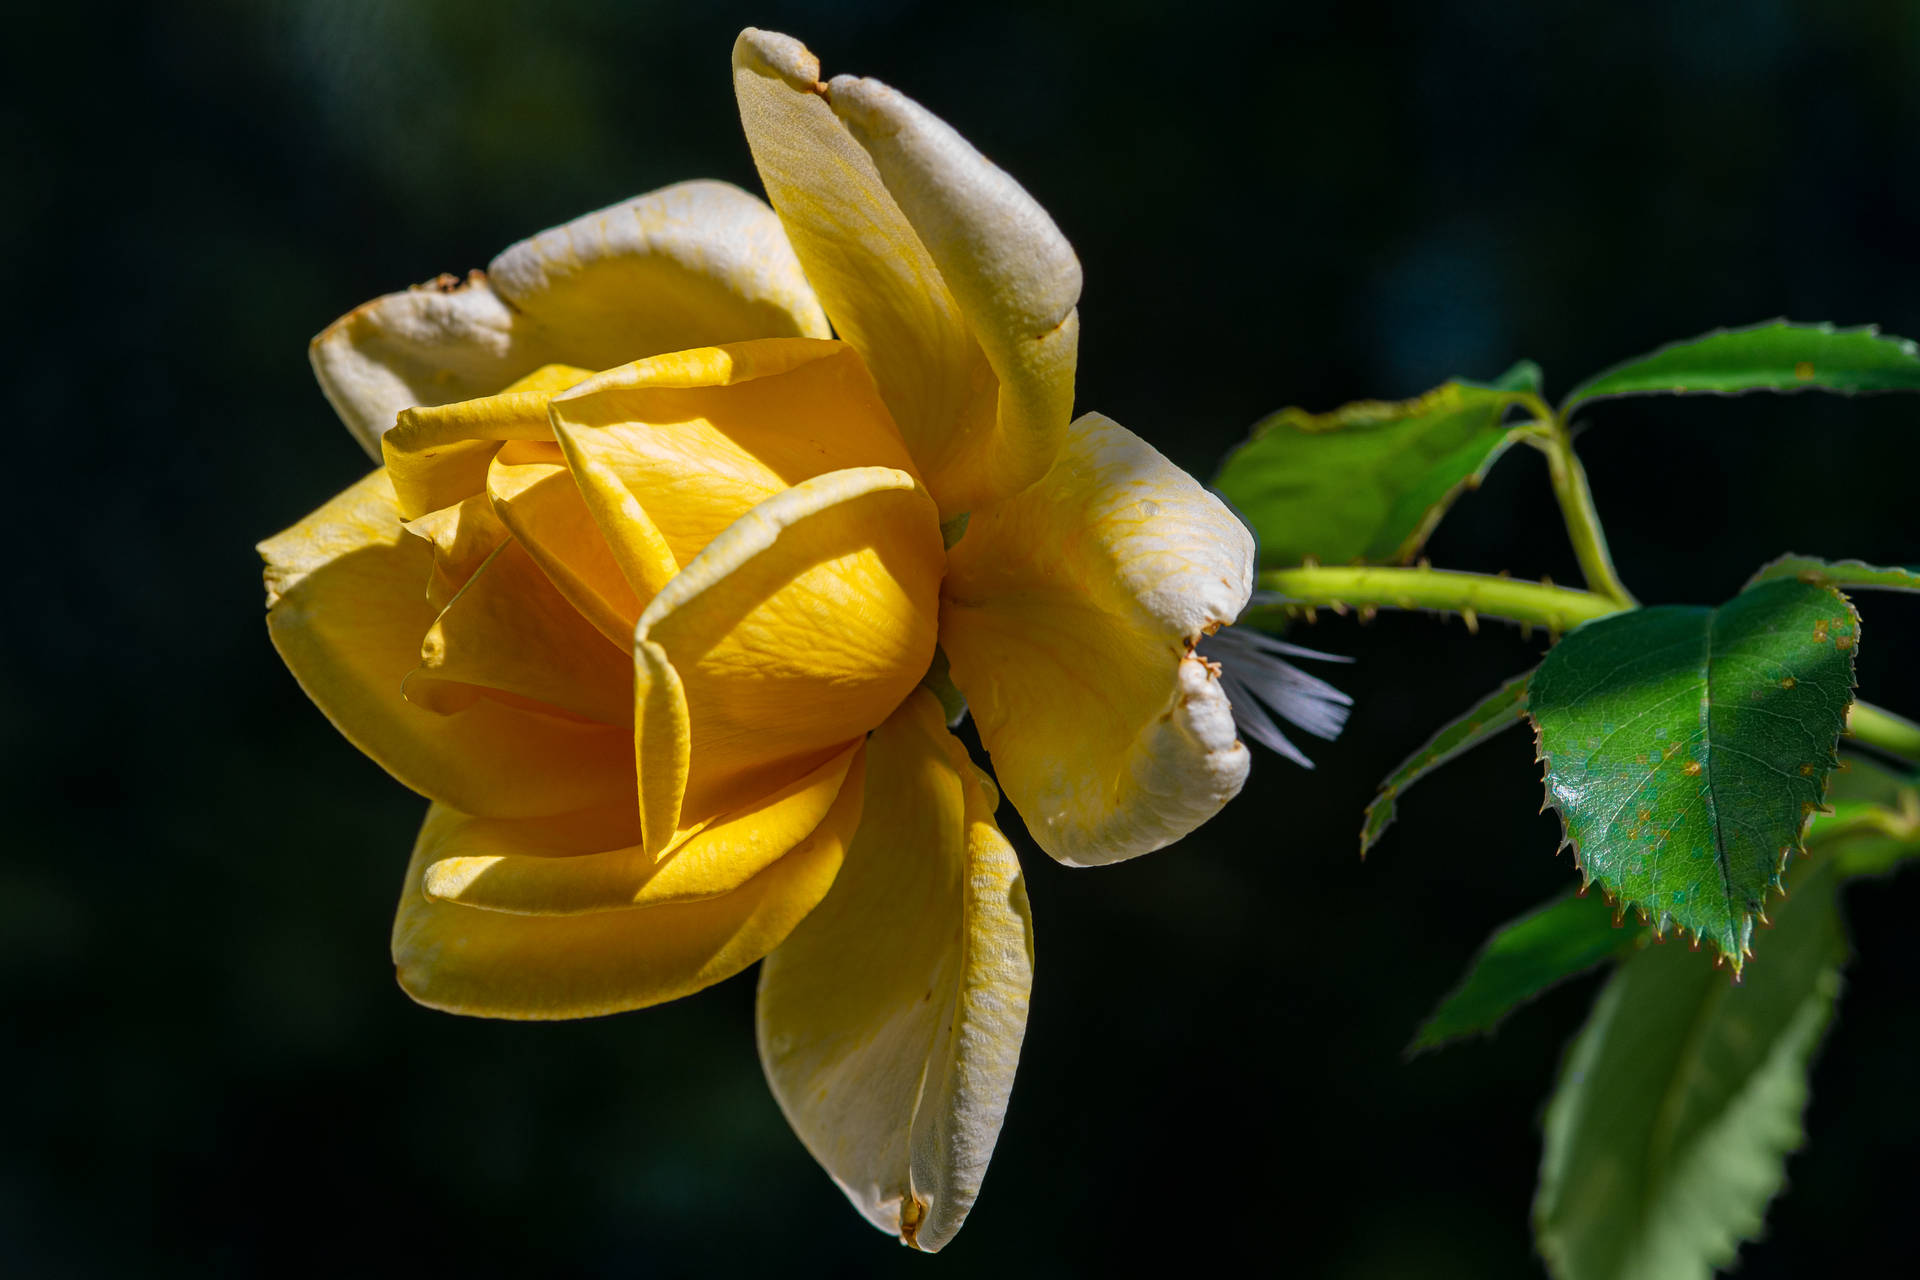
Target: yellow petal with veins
[[510, 630], [346, 610], [800, 627], [438, 455], [890, 1022], [494, 964], [473, 870], [539, 501], [685, 266], [947, 277], [670, 451], [1068, 617]]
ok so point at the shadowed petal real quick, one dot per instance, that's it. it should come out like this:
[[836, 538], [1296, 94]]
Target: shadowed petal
[[890, 1022]]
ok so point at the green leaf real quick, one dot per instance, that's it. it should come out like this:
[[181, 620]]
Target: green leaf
[[1524, 376], [1501, 709], [1369, 481], [1678, 1102], [1838, 573], [1524, 957], [1687, 748], [1775, 355]]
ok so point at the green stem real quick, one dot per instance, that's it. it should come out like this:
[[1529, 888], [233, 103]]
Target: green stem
[[1576, 505], [1472, 595], [1893, 734]]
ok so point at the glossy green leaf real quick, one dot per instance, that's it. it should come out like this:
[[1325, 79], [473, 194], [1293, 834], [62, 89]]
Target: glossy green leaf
[[1688, 748], [1499, 710], [1523, 958], [1776, 355], [1369, 481], [1839, 573], [1678, 1102]]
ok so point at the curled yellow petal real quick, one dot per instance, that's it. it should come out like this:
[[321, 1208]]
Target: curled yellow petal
[[949, 279], [797, 629], [462, 537], [539, 502], [438, 455], [662, 744], [510, 630], [347, 608], [890, 1022], [685, 266], [501, 965], [671, 450], [726, 853], [1068, 617]]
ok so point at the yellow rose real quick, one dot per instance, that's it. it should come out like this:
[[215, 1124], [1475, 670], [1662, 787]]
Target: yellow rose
[[654, 640]]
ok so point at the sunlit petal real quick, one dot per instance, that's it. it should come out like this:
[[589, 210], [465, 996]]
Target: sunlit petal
[[671, 450], [437, 455], [539, 502], [890, 1022], [346, 590], [1068, 617], [946, 276], [797, 629], [510, 630], [684, 266], [475, 871], [501, 965]]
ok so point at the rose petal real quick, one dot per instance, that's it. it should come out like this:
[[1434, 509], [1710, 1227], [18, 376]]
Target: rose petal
[[437, 455], [495, 964], [346, 610], [671, 450], [476, 871], [890, 1022], [1068, 616], [687, 265], [797, 629], [951, 282], [510, 630]]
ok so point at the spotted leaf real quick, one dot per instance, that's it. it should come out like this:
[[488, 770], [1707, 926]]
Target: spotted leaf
[[1687, 749]]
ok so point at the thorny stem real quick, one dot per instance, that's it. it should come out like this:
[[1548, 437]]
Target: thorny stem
[[1893, 734], [1482, 595], [1472, 595], [1576, 502]]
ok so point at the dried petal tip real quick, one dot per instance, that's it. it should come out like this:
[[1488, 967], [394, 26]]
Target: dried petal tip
[[1260, 684]]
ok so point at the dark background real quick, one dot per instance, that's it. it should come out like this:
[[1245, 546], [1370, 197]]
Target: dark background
[[208, 1068]]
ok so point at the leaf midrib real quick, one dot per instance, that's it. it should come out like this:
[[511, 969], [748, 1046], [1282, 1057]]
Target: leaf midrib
[[1708, 759]]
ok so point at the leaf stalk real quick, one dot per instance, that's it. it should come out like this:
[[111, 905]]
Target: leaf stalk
[[1575, 496]]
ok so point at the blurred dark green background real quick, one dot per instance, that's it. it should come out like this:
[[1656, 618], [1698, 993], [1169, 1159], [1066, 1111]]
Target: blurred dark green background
[[209, 1068]]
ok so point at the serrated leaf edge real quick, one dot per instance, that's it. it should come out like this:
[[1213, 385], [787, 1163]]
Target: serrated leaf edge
[[1813, 570], [1737, 958]]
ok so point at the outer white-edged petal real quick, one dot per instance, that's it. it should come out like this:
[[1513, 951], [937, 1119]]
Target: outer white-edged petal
[[1069, 615], [688, 265], [1013, 274], [953, 284], [890, 1021]]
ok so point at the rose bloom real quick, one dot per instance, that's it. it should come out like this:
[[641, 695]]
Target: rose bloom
[[662, 643]]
